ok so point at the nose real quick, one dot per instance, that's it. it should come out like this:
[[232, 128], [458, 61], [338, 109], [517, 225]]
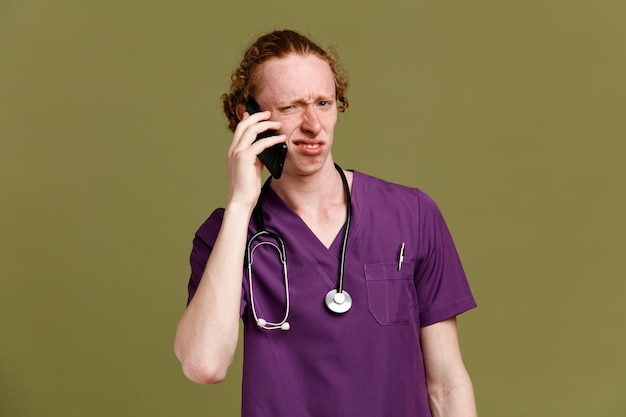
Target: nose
[[310, 121]]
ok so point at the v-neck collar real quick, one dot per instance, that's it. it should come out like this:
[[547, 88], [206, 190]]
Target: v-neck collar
[[281, 218], [303, 243]]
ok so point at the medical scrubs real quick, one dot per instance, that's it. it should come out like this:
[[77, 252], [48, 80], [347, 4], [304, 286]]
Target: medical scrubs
[[368, 361]]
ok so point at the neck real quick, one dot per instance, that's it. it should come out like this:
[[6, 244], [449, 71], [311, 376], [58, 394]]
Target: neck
[[319, 200], [312, 192]]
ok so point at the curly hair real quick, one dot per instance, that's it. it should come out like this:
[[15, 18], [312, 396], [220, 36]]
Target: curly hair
[[277, 44]]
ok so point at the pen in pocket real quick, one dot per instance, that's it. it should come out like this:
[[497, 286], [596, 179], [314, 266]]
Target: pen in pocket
[[401, 257]]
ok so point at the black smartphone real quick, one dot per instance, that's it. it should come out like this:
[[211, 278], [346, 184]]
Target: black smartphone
[[273, 157]]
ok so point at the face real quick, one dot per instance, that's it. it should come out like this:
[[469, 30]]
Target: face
[[300, 92]]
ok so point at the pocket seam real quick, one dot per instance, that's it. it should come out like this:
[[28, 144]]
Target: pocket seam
[[384, 277]]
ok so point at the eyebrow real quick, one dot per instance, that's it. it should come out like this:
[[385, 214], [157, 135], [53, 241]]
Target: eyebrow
[[322, 97]]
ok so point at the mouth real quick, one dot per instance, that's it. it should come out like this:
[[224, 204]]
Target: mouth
[[308, 148], [308, 145]]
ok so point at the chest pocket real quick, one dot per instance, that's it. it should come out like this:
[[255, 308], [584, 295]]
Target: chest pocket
[[390, 292]]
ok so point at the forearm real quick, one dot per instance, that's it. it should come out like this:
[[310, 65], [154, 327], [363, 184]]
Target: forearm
[[449, 385], [455, 399], [207, 334]]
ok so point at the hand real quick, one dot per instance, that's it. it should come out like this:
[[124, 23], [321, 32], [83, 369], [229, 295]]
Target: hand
[[244, 167]]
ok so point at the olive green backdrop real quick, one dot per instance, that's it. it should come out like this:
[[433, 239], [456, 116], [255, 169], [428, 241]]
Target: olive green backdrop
[[511, 114]]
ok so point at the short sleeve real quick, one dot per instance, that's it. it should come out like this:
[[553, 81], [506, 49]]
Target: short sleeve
[[442, 287], [203, 242]]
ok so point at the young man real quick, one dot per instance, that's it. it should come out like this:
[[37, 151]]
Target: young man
[[349, 294]]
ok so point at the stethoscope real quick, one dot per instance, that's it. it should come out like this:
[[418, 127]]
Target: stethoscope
[[337, 300]]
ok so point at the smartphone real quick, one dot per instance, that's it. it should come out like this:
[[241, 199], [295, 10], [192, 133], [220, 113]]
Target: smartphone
[[273, 157]]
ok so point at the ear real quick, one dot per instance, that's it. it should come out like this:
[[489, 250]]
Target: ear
[[240, 109]]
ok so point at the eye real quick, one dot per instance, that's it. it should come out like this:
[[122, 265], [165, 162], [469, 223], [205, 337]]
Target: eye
[[288, 109], [325, 103]]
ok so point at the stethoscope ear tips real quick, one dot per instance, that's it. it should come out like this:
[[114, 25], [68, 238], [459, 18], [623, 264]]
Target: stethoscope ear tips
[[262, 323]]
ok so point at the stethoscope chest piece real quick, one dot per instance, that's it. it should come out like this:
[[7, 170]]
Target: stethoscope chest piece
[[338, 302]]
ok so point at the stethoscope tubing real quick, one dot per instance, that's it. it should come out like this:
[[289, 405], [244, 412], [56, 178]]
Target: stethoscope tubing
[[283, 259], [337, 300]]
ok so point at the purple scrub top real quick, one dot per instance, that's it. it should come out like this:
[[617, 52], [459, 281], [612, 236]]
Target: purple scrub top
[[368, 361]]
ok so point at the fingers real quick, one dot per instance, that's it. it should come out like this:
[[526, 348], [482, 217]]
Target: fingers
[[244, 141], [251, 126], [244, 167]]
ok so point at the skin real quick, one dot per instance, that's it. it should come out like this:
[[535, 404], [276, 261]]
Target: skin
[[298, 94]]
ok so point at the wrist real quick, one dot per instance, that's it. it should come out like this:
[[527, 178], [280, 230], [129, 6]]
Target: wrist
[[240, 210]]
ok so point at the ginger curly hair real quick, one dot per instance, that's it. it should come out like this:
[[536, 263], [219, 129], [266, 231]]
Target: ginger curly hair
[[277, 44]]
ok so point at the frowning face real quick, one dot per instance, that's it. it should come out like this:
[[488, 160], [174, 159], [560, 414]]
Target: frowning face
[[299, 90]]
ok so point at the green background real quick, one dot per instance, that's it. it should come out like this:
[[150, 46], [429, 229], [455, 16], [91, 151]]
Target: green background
[[511, 114]]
